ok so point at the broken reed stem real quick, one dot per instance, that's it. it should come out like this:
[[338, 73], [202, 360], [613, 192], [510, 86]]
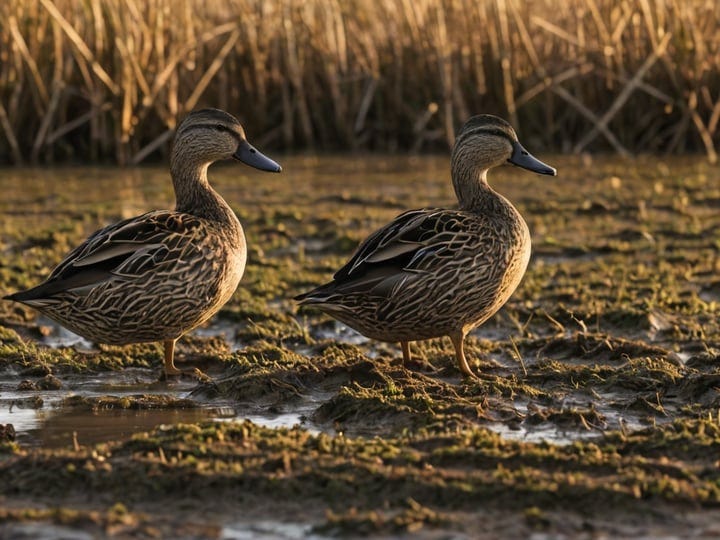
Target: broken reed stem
[[108, 79], [76, 123], [631, 85]]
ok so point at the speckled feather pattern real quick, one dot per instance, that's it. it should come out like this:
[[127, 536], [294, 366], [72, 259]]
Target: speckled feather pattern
[[181, 269], [462, 269]]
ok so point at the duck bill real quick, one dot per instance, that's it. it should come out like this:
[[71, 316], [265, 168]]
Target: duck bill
[[250, 156], [523, 158]]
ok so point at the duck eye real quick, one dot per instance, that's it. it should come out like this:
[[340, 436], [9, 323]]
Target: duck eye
[[220, 127]]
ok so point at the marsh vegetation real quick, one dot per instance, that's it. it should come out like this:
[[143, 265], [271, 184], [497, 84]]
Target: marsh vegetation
[[107, 80], [596, 408]]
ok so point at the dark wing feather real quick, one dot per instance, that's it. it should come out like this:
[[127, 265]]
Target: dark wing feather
[[397, 238], [405, 242], [130, 247], [411, 244]]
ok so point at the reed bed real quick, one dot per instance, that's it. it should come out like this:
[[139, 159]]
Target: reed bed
[[107, 80]]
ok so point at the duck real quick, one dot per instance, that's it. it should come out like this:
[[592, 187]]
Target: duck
[[438, 272], [157, 276]]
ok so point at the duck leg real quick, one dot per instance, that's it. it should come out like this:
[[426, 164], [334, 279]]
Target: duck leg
[[458, 341], [405, 345], [409, 363], [170, 368]]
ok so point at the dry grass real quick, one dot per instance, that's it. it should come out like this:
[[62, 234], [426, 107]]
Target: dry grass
[[106, 80]]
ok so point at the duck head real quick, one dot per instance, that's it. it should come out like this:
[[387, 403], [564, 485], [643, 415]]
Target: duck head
[[486, 141], [210, 135]]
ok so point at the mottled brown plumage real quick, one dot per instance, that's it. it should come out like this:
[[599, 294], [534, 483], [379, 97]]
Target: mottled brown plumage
[[157, 276], [440, 272]]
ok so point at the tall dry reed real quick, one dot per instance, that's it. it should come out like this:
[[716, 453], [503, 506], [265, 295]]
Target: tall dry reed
[[107, 80]]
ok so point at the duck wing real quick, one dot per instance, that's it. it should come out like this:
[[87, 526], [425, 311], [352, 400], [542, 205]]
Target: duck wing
[[410, 246], [127, 249]]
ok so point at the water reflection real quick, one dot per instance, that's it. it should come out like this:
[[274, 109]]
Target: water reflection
[[43, 418], [60, 428], [57, 426]]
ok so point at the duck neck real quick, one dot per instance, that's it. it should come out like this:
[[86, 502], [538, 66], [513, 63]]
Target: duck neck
[[193, 193], [472, 189]]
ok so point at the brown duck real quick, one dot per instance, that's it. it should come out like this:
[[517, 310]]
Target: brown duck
[[157, 276], [440, 272]]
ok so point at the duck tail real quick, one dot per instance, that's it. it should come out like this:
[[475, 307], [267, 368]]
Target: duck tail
[[308, 298], [28, 295], [319, 295], [36, 297]]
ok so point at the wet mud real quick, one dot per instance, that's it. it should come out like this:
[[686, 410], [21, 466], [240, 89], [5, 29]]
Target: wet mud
[[596, 410]]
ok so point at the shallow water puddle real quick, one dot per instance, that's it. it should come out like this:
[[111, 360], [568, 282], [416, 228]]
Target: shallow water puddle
[[42, 531], [60, 428], [52, 419], [43, 418], [269, 530], [550, 432], [536, 434]]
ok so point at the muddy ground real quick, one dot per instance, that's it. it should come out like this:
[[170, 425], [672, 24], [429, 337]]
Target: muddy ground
[[596, 412]]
